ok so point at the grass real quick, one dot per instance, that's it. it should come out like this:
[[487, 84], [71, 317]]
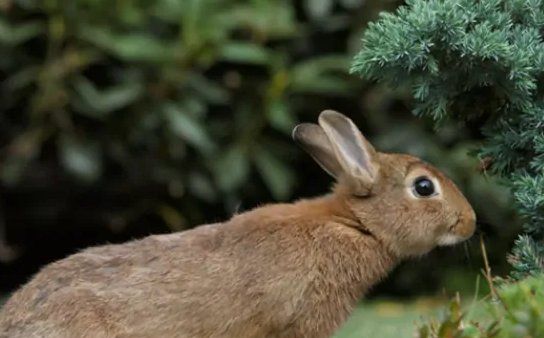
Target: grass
[[386, 318]]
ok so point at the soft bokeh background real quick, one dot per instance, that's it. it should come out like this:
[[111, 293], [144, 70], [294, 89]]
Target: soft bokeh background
[[120, 119]]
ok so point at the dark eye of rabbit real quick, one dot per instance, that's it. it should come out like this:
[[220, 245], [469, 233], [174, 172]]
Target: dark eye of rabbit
[[423, 187]]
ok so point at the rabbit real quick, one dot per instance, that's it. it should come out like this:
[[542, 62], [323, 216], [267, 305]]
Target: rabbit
[[278, 271]]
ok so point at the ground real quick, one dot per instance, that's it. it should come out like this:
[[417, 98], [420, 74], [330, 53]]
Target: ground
[[389, 318]]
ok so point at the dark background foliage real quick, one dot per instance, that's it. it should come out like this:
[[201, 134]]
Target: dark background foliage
[[119, 119]]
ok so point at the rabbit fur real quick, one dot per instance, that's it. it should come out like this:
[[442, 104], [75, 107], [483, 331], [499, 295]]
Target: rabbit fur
[[279, 270]]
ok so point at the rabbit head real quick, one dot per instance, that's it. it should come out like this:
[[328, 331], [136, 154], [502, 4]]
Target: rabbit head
[[406, 203]]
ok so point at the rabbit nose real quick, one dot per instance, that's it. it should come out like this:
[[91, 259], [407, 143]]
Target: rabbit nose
[[466, 224]]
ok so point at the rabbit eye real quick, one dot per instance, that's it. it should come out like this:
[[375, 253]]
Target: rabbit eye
[[423, 187]]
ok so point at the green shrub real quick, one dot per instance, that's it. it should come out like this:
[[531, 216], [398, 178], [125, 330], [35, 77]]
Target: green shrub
[[517, 311], [174, 103]]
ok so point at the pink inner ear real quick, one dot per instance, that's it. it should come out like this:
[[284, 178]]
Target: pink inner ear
[[315, 142], [349, 144]]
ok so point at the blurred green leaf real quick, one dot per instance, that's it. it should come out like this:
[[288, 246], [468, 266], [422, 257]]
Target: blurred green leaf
[[204, 24], [231, 168], [471, 331], [243, 52], [318, 9], [99, 103], [281, 117], [29, 4], [21, 78], [131, 46], [267, 19], [352, 3], [80, 157], [210, 91], [169, 10], [13, 35], [278, 177], [131, 13], [202, 187], [322, 76], [323, 64], [187, 127]]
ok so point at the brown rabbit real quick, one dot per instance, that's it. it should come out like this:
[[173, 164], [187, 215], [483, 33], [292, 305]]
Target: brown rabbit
[[281, 270]]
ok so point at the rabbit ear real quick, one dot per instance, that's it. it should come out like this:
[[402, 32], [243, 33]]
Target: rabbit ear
[[315, 142], [353, 152]]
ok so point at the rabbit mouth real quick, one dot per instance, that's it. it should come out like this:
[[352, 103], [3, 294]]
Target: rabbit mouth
[[453, 235], [449, 239]]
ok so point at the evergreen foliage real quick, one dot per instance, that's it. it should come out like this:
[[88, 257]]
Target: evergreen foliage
[[481, 62]]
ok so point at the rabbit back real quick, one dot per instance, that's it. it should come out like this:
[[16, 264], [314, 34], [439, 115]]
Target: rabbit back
[[190, 284]]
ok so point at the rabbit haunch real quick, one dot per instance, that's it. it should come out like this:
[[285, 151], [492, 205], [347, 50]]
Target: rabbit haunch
[[281, 270]]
